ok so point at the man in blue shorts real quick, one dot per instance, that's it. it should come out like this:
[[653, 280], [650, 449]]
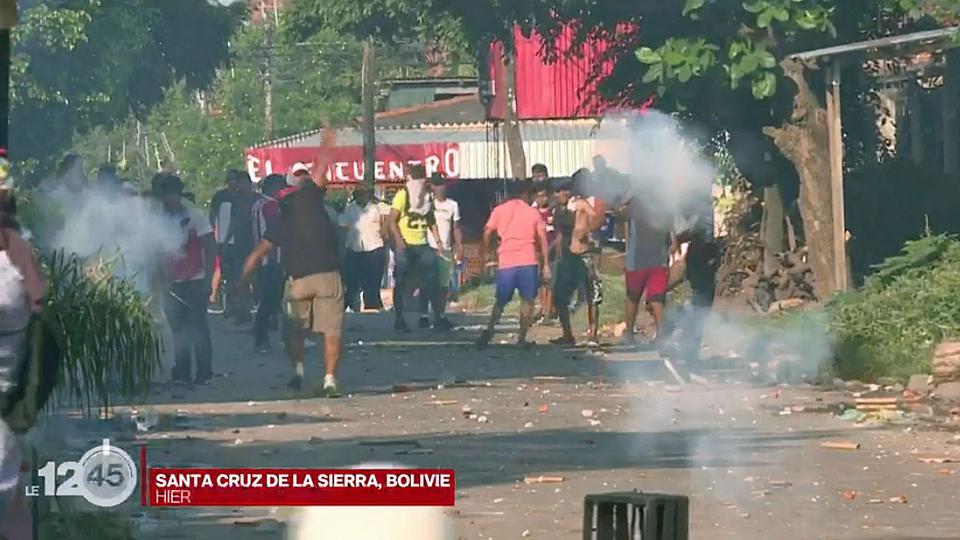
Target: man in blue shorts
[[521, 233]]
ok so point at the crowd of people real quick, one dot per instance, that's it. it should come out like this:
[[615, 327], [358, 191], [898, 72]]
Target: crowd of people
[[285, 252], [277, 255], [549, 249]]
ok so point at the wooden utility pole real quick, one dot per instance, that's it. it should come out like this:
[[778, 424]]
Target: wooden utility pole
[[267, 71], [8, 18], [835, 131], [369, 116], [511, 126]]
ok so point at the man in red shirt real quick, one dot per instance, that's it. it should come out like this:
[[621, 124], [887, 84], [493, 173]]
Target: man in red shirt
[[190, 272], [522, 236]]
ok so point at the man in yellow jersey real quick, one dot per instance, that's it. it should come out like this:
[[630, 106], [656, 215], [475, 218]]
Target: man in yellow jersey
[[411, 220]]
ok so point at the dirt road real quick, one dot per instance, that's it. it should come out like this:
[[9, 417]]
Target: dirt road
[[603, 424]]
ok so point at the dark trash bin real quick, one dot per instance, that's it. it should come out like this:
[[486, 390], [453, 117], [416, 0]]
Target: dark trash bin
[[634, 515]]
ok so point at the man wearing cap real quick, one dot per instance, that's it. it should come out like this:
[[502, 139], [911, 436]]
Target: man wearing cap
[[189, 272], [308, 235], [446, 213]]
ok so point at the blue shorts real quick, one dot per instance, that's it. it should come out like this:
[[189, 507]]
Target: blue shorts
[[525, 279]]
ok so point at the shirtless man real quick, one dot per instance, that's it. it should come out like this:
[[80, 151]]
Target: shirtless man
[[577, 268]]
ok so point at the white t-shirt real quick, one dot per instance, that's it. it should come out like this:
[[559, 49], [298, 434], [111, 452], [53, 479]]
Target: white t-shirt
[[363, 227], [191, 224], [447, 215]]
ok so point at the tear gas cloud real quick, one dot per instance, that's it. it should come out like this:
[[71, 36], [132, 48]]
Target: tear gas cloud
[[129, 230], [645, 159], [651, 160], [707, 429]]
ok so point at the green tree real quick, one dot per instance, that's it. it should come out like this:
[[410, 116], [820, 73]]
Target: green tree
[[78, 64], [718, 62]]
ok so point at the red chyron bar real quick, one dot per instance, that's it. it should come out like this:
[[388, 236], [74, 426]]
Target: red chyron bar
[[301, 487]]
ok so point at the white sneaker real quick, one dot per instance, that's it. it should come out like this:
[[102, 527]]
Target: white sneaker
[[330, 386]]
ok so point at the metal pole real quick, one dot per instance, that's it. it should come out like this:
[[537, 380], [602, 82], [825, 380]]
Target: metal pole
[[369, 112], [835, 127]]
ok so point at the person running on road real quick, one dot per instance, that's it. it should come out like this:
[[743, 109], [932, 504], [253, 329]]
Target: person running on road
[[447, 216], [411, 219], [307, 234], [522, 234]]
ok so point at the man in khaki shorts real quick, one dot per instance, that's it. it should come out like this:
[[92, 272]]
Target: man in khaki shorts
[[308, 237]]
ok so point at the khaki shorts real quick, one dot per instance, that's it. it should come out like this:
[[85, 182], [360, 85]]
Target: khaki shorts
[[315, 302]]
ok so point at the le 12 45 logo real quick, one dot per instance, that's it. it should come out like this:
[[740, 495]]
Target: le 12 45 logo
[[105, 476]]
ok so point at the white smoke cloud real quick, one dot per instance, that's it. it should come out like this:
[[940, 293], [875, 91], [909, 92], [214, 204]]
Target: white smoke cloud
[[645, 157], [130, 231]]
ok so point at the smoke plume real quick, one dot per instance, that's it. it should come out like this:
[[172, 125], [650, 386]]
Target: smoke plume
[[645, 159], [130, 231]]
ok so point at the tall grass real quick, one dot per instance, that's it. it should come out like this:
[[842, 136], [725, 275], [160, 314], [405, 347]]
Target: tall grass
[[105, 330], [911, 303]]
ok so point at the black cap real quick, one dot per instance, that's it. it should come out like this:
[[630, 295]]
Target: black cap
[[437, 179]]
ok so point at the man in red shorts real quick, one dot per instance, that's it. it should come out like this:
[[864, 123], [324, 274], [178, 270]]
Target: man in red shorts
[[647, 269]]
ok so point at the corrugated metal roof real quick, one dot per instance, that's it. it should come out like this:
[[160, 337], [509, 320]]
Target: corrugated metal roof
[[943, 37], [461, 109], [530, 130]]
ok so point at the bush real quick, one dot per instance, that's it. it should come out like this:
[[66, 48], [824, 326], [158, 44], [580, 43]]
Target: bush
[[907, 306]]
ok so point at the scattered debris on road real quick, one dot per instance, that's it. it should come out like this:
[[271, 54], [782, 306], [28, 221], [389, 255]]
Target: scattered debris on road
[[840, 445], [543, 479]]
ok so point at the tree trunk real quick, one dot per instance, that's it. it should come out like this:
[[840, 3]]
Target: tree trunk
[[511, 126], [804, 140], [772, 230]]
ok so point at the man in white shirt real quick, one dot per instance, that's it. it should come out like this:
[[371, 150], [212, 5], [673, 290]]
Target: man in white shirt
[[189, 271], [446, 214], [364, 224]]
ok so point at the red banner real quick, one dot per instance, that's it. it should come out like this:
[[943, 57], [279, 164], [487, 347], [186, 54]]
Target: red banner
[[300, 487], [347, 165]]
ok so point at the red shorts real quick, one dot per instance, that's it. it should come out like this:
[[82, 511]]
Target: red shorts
[[652, 281]]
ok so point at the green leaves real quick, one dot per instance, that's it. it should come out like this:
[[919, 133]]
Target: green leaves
[[648, 55], [105, 329], [691, 6], [764, 86], [677, 59]]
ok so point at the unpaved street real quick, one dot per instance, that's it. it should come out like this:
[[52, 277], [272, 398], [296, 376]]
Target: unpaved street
[[498, 416]]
